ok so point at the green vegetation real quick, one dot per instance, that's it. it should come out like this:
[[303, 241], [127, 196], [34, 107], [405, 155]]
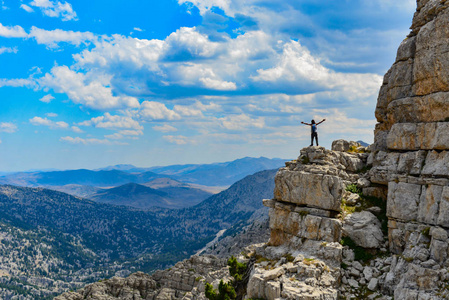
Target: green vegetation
[[289, 257], [236, 269], [354, 149], [426, 232], [353, 189], [303, 213], [226, 291]]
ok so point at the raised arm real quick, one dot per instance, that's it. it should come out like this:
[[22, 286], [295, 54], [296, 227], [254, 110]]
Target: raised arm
[[320, 122], [306, 123]]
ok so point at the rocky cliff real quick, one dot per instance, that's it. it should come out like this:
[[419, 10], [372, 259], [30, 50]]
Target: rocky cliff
[[411, 158]]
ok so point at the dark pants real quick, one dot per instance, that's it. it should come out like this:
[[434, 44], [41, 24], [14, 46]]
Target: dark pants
[[314, 135]]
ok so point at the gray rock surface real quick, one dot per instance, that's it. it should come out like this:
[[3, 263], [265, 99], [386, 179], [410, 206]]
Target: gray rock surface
[[364, 229]]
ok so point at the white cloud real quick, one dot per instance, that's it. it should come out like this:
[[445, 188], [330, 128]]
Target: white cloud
[[76, 129], [126, 52], [133, 134], [138, 29], [55, 9], [8, 127], [51, 38], [47, 98], [8, 50], [17, 82], [178, 139], [241, 122], [296, 62], [219, 85], [191, 42], [152, 110], [38, 121], [81, 89], [113, 122], [187, 111], [51, 115], [165, 128], [206, 5], [89, 141], [12, 31], [27, 8]]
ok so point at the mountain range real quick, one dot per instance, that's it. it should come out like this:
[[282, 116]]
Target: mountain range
[[176, 186], [67, 241], [173, 195]]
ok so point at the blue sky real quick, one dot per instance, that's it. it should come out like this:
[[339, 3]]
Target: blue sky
[[86, 84]]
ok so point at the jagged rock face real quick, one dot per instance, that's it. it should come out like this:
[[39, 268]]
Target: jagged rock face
[[308, 195], [186, 280], [412, 135], [411, 156], [415, 89]]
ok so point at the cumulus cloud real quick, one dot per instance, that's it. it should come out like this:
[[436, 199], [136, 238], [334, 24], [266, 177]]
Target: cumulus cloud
[[8, 127], [296, 65], [206, 5], [51, 38], [27, 8], [55, 9], [187, 43], [152, 111], [38, 121], [51, 115], [81, 89], [177, 139], [241, 122], [165, 128], [88, 141], [8, 50], [113, 122], [76, 129], [47, 98], [132, 134], [19, 82], [12, 31]]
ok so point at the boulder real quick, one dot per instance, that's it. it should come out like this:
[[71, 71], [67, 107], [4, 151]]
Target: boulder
[[364, 229], [340, 145]]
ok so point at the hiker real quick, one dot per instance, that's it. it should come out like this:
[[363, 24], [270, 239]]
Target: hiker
[[314, 131]]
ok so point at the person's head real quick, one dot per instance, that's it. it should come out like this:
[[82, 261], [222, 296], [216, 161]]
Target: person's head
[[313, 121]]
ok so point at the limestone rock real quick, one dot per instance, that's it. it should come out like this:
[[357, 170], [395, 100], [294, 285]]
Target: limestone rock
[[315, 190], [364, 229]]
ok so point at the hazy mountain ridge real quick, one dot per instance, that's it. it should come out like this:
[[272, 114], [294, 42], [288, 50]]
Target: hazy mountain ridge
[[144, 197], [134, 239], [81, 177], [219, 173], [184, 185]]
